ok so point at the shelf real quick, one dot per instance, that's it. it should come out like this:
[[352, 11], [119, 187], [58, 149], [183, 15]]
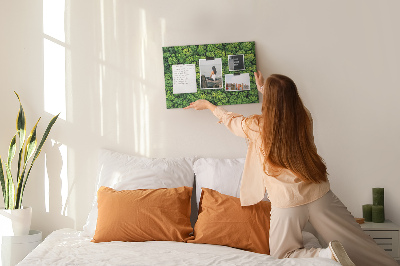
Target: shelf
[[15, 248], [387, 225], [386, 235]]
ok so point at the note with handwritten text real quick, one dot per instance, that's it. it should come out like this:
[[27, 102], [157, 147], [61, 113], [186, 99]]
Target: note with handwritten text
[[184, 78]]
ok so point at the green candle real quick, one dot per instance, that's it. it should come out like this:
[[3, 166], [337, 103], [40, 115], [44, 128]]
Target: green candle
[[378, 196], [367, 212], [378, 214]]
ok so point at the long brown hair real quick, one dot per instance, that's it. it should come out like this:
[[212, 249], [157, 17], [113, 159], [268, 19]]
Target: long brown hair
[[287, 131]]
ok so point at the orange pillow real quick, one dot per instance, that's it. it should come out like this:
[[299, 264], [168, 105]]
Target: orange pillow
[[223, 221], [143, 215]]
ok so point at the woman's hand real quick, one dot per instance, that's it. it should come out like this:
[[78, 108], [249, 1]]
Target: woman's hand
[[259, 81], [201, 105]]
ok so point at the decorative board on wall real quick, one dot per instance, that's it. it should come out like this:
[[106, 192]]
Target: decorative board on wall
[[220, 73]]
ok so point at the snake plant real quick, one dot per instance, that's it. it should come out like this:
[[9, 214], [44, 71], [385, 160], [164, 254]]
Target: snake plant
[[27, 149]]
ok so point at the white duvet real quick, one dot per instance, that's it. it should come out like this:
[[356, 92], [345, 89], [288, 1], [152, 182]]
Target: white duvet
[[70, 247]]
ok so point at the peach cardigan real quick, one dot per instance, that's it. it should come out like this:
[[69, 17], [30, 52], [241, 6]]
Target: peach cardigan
[[284, 188]]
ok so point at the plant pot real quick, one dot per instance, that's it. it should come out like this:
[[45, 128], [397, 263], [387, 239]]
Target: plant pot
[[15, 222]]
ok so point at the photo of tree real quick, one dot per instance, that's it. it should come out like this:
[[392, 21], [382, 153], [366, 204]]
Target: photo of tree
[[194, 54]]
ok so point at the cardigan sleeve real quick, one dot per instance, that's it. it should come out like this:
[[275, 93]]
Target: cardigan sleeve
[[234, 122]]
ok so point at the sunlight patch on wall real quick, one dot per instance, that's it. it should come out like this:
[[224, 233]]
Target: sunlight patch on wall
[[64, 179], [163, 31], [141, 122], [143, 33], [145, 145], [135, 121], [68, 64], [117, 112], [46, 187], [54, 57], [53, 19], [115, 18], [101, 89], [102, 69], [103, 46], [54, 78], [56, 178]]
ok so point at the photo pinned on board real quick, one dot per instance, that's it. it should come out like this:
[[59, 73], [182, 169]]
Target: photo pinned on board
[[236, 62], [237, 82], [210, 73]]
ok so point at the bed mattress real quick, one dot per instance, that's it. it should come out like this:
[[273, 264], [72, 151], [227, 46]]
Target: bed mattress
[[71, 247]]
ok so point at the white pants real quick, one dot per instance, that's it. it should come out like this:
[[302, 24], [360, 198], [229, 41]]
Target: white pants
[[332, 221]]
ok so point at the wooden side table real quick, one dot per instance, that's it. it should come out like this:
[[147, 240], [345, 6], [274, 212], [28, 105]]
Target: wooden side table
[[386, 235], [15, 248]]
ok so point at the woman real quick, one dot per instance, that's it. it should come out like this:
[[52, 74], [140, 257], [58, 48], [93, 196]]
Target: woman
[[213, 73], [282, 159]]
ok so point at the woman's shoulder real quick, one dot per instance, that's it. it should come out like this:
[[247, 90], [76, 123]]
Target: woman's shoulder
[[252, 125], [254, 121]]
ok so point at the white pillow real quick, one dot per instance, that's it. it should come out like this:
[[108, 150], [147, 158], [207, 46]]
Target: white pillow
[[126, 172], [222, 175]]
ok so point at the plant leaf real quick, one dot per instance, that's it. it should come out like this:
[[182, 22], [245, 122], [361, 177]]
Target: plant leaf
[[30, 144], [3, 184], [11, 151], [29, 150], [11, 193], [21, 130], [20, 191], [21, 123], [46, 133], [10, 182]]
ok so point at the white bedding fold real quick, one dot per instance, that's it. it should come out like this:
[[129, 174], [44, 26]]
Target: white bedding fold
[[70, 247]]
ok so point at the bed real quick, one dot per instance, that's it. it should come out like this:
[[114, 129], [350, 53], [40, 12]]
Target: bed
[[145, 210]]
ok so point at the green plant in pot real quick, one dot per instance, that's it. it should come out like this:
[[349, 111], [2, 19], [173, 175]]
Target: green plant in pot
[[15, 219]]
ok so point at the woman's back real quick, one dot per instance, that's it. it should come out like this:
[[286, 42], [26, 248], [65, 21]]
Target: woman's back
[[285, 187], [286, 131]]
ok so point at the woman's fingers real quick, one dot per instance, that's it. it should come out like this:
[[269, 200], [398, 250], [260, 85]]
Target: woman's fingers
[[189, 106], [259, 78], [259, 81], [198, 105], [257, 75]]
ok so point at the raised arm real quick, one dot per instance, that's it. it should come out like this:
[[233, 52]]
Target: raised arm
[[234, 122], [201, 105]]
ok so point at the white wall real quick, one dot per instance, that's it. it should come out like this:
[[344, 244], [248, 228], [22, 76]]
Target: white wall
[[100, 64]]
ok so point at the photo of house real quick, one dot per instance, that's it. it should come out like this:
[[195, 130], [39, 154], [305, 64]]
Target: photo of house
[[237, 82]]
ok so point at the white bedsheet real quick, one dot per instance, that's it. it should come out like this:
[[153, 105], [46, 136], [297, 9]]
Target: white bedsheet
[[69, 247]]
